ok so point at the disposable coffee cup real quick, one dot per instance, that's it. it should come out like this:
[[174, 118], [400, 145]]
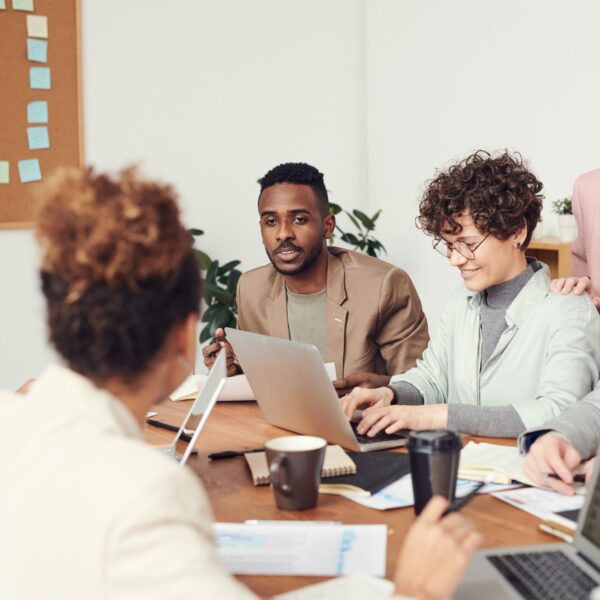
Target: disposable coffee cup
[[295, 463], [434, 456]]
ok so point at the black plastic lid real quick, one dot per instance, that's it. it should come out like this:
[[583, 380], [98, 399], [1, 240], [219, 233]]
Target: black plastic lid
[[434, 440]]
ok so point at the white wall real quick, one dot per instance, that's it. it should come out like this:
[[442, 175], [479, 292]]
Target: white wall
[[208, 95], [447, 78], [376, 93]]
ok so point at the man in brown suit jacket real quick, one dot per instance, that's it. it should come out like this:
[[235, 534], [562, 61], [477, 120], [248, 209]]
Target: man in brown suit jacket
[[362, 313]]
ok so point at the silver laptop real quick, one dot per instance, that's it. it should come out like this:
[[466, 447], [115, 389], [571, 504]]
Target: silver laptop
[[561, 571], [294, 391], [196, 418]]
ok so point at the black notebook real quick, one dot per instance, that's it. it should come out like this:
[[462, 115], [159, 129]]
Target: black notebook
[[374, 471]]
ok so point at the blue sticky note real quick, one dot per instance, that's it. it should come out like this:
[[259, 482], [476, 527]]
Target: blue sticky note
[[37, 112], [38, 138], [37, 50], [39, 78], [2, 5], [23, 5], [29, 170]]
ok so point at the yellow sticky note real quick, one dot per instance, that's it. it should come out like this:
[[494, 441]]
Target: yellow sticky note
[[4, 172], [37, 26]]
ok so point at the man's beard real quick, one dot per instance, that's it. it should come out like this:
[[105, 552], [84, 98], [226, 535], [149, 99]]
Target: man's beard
[[311, 256]]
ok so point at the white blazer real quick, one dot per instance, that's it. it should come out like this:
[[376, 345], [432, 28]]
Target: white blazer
[[89, 511]]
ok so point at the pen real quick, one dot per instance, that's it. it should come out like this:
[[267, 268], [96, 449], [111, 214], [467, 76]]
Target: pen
[[577, 477], [184, 436], [231, 453], [460, 502], [556, 533]]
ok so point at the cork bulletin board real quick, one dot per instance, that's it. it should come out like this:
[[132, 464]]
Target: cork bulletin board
[[40, 100]]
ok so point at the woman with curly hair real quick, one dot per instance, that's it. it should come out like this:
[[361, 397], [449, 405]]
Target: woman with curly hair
[[508, 355]]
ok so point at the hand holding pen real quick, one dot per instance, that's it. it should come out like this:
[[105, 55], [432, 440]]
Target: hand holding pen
[[210, 351]]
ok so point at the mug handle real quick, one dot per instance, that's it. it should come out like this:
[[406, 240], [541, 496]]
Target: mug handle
[[278, 465]]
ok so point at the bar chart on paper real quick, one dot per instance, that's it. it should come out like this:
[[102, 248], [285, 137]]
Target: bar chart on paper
[[301, 549]]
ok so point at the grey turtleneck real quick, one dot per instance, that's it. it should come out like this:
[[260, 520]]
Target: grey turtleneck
[[493, 421]]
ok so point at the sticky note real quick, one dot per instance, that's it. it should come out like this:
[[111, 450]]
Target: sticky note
[[39, 78], [37, 112], [37, 137], [2, 5], [37, 50], [29, 170], [23, 5], [37, 26], [4, 172]]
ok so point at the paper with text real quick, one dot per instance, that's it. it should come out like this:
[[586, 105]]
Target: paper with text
[[301, 549]]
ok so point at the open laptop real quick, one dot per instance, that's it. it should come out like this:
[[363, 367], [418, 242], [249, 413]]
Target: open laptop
[[548, 571], [202, 406], [294, 391]]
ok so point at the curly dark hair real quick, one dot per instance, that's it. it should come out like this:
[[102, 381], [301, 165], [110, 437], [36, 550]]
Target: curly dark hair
[[118, 270], [301, 174], [499, 193]]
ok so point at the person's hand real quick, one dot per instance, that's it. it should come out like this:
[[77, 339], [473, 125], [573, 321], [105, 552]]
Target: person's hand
[[435, 553], [361, 397], [363, 379], [209, 353], [577, 286], [588, 469], [552, 453], [394, 418], [24, 389]]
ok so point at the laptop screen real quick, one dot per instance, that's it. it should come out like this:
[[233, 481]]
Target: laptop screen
[[202, 406], [591, 522]]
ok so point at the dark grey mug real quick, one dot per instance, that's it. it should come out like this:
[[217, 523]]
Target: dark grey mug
[[434, 456], [295, 463]]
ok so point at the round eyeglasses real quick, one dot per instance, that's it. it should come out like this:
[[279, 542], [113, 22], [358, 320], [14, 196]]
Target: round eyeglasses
[[467, 250]]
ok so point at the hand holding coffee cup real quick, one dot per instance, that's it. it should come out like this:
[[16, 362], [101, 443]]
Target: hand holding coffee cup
[[434, 457], [295, 463]]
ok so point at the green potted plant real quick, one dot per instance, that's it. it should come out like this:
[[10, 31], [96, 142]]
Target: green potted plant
[[563, 207], [219, 286], [363, 239]]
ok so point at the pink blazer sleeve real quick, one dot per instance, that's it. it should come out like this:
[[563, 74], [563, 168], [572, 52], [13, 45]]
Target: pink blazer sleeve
[[580, 265]]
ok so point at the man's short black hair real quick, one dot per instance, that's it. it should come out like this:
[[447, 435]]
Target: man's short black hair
[[300, 174]]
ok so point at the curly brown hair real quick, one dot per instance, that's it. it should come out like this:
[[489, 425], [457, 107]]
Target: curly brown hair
[[117, 269], [500, 194]]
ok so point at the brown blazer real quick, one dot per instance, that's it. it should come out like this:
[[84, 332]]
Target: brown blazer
[[374, 317]]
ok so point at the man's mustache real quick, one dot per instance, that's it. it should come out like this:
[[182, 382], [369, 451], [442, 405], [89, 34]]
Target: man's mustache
[[287, 246]]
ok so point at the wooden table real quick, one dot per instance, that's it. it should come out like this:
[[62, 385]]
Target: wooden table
[[240, 425]]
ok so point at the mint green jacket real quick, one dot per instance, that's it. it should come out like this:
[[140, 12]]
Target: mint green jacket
[[546, 360]]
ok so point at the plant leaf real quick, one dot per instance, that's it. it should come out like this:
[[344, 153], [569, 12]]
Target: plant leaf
[[334, 209], [195, 232], [228, 266], [363, 219], [203, 259], [350, 238], [205, 334]]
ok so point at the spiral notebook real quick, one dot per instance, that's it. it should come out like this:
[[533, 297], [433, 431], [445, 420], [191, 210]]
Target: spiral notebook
[[336, 462]]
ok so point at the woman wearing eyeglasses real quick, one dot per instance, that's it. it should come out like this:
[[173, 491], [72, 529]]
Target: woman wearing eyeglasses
[[507, 354]]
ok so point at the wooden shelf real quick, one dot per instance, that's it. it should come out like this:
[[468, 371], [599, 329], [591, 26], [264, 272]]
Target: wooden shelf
[[555, 253]]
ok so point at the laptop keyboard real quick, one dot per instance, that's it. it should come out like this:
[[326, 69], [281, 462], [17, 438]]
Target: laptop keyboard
[[544, 575], [380, 437]]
